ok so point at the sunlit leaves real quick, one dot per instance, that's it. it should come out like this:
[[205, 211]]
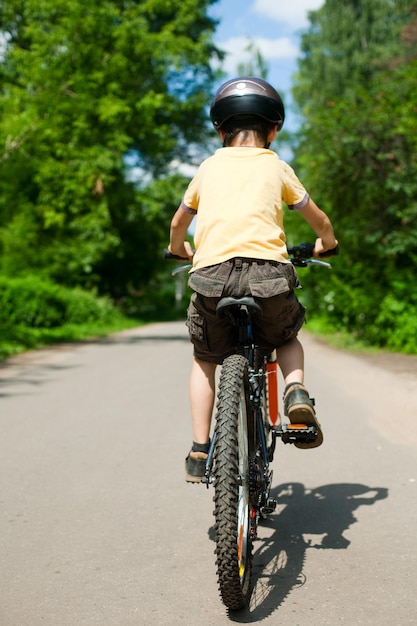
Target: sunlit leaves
[[84, 83], [357, 88]]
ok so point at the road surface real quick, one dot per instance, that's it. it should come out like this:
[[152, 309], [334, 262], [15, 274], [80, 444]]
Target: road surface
[[99, 528]]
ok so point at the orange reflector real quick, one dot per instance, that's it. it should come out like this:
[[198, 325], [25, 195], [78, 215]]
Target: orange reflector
[[240, 542], [297, 426], [272, 389]]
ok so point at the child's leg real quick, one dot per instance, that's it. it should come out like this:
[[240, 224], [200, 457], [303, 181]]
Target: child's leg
[[298, 406], [291, 361], [202, 393]]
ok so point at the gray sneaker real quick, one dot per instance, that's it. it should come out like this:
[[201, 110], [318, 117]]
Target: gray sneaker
[[195, 467]]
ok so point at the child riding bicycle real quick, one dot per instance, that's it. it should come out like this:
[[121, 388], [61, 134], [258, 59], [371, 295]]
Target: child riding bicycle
[[237, 195]]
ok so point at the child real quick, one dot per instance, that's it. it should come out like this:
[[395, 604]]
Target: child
[[237, 195]]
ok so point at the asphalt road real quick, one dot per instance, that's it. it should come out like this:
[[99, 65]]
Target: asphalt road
[[98, 527]]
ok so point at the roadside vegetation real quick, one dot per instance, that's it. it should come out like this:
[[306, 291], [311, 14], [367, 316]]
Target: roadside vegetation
[[356, 89], [36, 312]]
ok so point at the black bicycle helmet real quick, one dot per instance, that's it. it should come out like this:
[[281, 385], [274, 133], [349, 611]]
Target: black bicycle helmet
[[247, 96]]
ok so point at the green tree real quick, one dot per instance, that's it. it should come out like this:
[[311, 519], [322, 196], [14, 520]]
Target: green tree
[[89, 90], [358, 153], [345, 46]]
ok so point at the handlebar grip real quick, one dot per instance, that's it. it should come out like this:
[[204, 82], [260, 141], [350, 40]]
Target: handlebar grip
[[305, 251], [332, 252], [173, 257]]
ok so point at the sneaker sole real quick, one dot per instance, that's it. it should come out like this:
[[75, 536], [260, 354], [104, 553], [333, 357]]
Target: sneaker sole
[[193, 479], [303, 414]]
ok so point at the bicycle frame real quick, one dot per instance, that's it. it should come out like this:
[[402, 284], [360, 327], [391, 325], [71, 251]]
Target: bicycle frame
[[240, 312]]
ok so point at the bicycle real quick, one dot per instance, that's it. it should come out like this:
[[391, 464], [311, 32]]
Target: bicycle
[[243, 443]]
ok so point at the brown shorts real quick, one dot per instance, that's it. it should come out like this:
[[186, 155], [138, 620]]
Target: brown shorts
[[271, 283]]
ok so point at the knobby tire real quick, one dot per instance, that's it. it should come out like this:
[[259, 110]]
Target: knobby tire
[[231, 487]]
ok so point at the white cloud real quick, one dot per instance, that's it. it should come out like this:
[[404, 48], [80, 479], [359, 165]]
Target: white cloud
[[292, 12], [237, 52]]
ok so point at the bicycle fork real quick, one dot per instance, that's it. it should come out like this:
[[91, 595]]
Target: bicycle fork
[[208, 477]]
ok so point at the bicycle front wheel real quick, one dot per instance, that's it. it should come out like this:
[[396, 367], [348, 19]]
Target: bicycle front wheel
[[231, 486]]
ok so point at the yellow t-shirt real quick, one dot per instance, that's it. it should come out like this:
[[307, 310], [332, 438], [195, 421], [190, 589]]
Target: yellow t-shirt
[[237, 195]]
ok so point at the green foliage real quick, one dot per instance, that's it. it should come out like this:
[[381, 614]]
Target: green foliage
[[345, 47], [357, 153], [37, 303], [35, 312], [398, 318], [84, 84]]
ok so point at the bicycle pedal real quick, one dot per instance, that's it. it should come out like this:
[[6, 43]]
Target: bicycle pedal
[[296, 433]]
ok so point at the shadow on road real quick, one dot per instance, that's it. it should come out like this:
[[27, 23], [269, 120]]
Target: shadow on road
[[305, 519]]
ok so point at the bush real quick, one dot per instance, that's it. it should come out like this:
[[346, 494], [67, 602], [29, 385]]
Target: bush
[[396, 324], [38, 303], [377, 311], [35, 312]]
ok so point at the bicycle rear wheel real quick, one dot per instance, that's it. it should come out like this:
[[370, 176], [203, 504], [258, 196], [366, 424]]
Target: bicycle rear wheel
[[231, 486]]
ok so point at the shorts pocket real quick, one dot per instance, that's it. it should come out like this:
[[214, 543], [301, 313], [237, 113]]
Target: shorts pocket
[[197, 328], [269, 287], [209, 281], [268, 280]]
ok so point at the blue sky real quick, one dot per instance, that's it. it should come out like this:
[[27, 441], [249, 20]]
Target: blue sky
[[274, 26]]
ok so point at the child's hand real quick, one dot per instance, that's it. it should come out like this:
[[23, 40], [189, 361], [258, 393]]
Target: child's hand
[[321, 248], [188, 249], [183, 252]]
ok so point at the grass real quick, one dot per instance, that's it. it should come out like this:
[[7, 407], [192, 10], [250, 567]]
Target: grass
[[21, 338], [339, 339]]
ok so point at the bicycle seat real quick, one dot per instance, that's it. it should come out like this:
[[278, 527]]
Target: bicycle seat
[[225, 305]]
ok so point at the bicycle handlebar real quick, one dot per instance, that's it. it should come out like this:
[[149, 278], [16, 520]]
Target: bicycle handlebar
[[305, 251], [301, 256]]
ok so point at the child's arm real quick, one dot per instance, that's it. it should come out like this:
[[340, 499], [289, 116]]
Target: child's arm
[[179, 226], [322, 226]]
